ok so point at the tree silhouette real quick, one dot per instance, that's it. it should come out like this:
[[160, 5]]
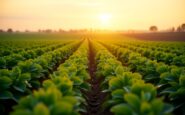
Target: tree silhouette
[[9, 30], [153, 28], [173, 29], [179, 29], [183, 27]]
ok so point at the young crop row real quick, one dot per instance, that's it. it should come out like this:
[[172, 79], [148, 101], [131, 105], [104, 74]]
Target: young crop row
[[168, 47], [127, 94], [160, 56], [8, 62], [27, 75], [9, 47], [169, 80], [60, 95]]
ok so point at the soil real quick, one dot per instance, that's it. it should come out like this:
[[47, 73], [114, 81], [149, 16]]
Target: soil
[[95, 97]]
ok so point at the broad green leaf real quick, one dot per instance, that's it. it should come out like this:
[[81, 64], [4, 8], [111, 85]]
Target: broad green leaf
[[62, 108], [146, 96], [5, 95], [85, 86], [145, 108], [115, 83], [22, 112], [76, 80], [5, 82], [70, 99], [119, 70], [20, 86], [167, 76], [168, 90], [168, 109], [140, 88], [118, 93], [25, 76], [48, 83], [133, 100], [182, 80], [121, 109], [157, 106], [41, 109]]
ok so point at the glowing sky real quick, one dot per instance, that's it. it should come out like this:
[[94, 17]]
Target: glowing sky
[[76, 14]]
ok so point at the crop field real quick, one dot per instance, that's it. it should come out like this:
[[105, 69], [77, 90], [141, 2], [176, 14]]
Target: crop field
[[90, 74]]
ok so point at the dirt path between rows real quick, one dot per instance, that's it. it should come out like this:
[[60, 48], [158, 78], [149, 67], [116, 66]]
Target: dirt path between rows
[[95, 97]]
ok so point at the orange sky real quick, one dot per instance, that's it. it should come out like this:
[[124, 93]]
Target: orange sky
[[76, 14]]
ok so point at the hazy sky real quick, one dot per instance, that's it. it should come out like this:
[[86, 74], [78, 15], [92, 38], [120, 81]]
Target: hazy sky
[[103, 14]]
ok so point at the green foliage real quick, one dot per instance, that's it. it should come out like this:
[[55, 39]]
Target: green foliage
[[127, 79], [68, 79], [25, 75], [46, 102], [141, 100], [130, 95], [64, 84], [149, 75], [31, 67]]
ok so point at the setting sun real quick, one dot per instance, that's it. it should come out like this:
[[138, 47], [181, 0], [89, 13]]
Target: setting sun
[[105, 19]]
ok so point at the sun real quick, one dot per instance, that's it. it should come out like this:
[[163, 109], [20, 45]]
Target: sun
[[105, 19]]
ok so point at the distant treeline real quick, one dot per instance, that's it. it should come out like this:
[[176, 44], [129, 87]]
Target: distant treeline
[[10, 30], [153, 28]]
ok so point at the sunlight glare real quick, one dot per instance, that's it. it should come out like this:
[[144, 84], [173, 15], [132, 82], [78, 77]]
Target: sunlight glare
[[105, 19]]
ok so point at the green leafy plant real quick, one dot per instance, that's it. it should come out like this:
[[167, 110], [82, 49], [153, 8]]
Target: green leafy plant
[[46, 102]]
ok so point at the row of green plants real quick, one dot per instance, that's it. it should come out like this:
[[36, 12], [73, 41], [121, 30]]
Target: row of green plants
[[127, 94], [161, 56], [8, 62], [9, 47], [29, 74], [61, 93], [168, 79], [168, 47]]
